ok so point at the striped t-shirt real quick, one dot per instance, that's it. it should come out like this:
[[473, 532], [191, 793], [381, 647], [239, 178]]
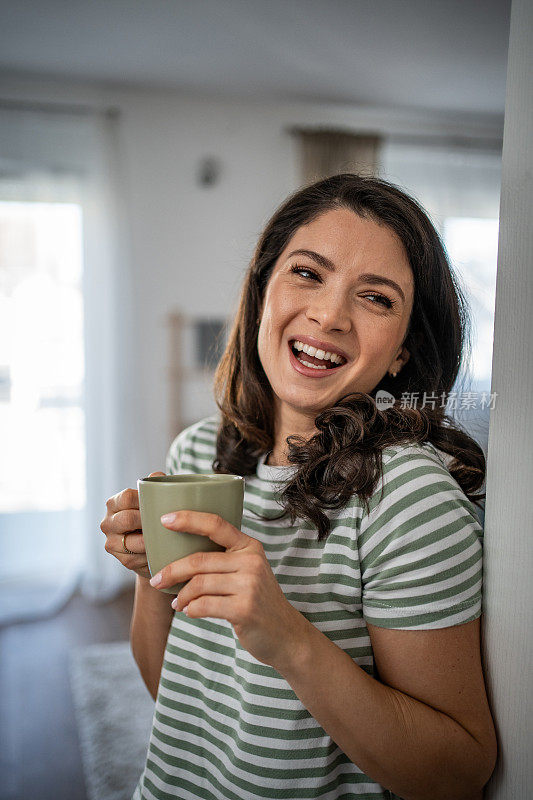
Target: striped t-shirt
[[228, 727]]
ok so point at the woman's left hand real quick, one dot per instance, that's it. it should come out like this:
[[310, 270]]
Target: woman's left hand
[[237, 585]]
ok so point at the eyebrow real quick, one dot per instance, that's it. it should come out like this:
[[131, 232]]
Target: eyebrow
[[366, 277]]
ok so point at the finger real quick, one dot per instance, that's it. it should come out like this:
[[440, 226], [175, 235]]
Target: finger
[[211, 525], [133, 561], [134, 542], [141, 566], [127, 498], [124, 521], [212, 606], [196, 564], [213, 584]]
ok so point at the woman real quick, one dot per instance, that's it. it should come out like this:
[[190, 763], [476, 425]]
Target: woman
[[333, 649]]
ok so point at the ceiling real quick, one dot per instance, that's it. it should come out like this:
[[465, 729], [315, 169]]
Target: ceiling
[[438, 54]]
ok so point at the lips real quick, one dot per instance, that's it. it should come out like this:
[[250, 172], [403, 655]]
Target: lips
[[317, 344], [310, 366], [317, 352]]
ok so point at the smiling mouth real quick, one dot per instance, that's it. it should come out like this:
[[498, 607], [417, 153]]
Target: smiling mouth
[[315, 359]]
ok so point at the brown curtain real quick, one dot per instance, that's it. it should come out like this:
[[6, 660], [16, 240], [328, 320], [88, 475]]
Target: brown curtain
[[328, 152]]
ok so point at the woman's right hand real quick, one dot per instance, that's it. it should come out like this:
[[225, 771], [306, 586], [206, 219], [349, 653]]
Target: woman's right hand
[[123, 519]]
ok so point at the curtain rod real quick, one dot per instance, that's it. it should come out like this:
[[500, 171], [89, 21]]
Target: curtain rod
[[78, 109]]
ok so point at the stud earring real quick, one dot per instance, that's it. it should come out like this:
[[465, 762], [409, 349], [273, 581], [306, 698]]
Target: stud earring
[[393, 374]]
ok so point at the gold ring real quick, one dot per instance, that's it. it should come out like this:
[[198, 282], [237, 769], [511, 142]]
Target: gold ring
[[124, 548]]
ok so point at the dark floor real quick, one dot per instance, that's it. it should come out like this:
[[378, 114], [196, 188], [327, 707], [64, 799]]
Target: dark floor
[[39, 752]]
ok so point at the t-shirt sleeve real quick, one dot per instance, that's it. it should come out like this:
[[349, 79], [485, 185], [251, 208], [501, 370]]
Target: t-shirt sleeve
[[420, 547], [173, 460], [193, 450]]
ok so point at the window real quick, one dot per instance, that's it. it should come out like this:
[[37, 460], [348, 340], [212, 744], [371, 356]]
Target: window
[[42, 421], [472, 245], [459, 186]]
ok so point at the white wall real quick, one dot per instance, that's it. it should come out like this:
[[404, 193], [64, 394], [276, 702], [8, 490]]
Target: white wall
[[190, 245], [508, 590]]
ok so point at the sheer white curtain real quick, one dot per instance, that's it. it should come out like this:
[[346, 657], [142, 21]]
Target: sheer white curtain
[[112, 391], [52, 156]]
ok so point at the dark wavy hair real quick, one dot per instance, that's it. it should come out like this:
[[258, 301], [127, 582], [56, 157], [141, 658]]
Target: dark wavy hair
[[344, 457]]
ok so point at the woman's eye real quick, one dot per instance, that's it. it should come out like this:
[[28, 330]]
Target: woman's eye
[[381, 299], [305, 272]]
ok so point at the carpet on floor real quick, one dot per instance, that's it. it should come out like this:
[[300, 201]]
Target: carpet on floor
[[114, 715]]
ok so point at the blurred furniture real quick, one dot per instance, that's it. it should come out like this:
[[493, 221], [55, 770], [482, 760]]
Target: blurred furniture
[[195, 347]]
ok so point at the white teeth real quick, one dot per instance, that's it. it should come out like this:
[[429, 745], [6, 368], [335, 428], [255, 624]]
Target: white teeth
[[322, 354], [313, 366]]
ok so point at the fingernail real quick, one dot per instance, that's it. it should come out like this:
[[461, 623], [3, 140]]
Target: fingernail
[[184, 609], [156, 579], [174, 603], [166, 518]]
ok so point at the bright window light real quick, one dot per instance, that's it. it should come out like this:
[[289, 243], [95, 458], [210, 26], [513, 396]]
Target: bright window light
[[42, 420], [472, 245]]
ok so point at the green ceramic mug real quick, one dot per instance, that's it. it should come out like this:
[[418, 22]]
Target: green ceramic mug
[[216, 494]]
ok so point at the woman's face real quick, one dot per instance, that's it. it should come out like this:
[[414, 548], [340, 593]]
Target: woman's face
[[343, 285]]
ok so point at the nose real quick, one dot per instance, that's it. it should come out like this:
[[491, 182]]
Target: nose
[[330, 311]]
